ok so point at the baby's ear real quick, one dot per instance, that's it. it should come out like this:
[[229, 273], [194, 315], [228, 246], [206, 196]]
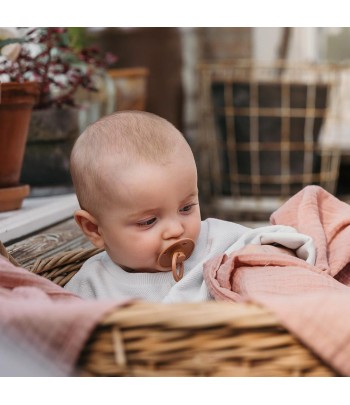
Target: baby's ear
[[89, 226]]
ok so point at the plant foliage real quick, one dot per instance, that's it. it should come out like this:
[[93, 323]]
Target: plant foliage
[[51, 57]]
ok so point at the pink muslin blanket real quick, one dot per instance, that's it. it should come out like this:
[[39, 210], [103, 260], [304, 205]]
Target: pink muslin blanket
[[313, 302], [43, 321]]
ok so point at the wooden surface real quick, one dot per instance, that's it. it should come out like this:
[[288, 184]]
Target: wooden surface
[[61, 237]]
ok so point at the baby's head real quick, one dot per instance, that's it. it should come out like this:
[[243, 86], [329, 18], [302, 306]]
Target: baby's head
[[136, 182]]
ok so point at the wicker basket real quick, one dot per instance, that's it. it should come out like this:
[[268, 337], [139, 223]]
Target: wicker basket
[[260, 126], [189, 339]]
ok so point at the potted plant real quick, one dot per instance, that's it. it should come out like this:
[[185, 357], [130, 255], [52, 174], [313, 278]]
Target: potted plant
[[60, 65], [16, 103]]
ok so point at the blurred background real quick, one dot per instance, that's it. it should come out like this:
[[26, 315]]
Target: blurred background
[[264, 109]]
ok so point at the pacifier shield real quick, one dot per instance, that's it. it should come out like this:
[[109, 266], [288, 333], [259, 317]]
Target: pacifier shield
[[184, 246]]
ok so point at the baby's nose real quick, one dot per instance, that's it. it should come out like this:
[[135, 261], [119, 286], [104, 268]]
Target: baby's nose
[[174, 229]]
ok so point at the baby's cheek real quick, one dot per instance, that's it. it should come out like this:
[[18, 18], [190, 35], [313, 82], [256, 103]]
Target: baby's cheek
[[196, 230]]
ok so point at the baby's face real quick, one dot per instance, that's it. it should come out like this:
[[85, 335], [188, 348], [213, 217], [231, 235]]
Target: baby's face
[[153, 206]]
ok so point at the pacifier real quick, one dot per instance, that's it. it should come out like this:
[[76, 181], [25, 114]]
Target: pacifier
[[175, 255]]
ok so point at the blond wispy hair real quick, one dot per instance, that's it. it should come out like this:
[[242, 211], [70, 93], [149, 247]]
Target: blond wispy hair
[[120, 139]]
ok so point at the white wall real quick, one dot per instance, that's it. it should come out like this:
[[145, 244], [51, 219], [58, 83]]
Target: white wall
[[304, 45]]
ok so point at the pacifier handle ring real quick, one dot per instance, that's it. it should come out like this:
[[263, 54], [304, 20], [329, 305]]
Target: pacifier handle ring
[[174, 256], [177, 275]]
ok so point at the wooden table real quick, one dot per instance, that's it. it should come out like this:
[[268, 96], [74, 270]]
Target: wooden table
[[62, 237], [42, 228]]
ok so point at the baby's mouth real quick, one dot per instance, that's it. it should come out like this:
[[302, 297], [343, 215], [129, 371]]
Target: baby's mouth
[[174, 256]]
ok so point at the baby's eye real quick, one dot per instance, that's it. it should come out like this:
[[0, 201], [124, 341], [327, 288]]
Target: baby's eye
[[147, 222], [187, 208]]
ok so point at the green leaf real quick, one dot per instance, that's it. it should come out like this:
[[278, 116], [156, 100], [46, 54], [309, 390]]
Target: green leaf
[[8, 41], [77, 37]]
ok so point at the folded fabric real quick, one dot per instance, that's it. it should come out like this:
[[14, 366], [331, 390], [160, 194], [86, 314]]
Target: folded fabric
[[286, 236], [317, 213], [43, 321], [312, 301]]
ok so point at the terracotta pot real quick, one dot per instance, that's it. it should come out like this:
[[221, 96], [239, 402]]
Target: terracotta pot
[[11, 198], [159, 49], [16, 103]]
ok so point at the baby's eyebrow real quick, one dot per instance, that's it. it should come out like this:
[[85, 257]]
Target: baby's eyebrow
[[138, 214], [193, 194]]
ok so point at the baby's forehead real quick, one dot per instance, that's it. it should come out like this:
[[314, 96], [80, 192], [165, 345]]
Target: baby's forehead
[[132, 176], [137, 186]]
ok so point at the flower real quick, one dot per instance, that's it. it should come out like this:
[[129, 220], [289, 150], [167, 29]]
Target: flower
[[12, 50], [48, 56]]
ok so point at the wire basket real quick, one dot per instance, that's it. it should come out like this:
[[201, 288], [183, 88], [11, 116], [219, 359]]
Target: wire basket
[[187, 339], [260, 131]]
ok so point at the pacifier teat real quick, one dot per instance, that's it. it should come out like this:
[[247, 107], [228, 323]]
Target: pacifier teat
[[175, 255]]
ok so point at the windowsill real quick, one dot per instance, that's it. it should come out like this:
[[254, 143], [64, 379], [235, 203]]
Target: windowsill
[[35, 214]]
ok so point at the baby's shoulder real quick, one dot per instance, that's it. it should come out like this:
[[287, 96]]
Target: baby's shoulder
[[87, 274], [95, 260], [91, 266]]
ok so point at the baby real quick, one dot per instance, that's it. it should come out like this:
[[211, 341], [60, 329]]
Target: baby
[[136, 181]]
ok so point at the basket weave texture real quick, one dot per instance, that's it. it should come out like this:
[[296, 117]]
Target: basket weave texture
[[188, 339], [261, 127]]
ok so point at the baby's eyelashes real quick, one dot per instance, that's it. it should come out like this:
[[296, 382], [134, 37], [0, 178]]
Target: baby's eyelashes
[[147, 222], [187, 208]]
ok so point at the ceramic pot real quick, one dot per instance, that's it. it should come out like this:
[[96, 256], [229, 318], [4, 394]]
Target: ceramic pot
[[16, 103]]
